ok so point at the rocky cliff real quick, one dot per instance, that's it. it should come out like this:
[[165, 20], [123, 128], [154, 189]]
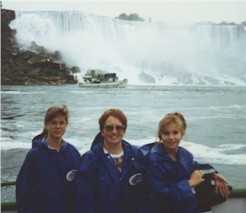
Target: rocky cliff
[[30, 67]]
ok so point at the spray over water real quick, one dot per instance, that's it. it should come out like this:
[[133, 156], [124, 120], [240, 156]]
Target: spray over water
[[142, 52]]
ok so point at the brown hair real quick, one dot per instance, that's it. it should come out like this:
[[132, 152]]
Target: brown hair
[[176, 118], [115, 113], [54, 111], [51, 113]]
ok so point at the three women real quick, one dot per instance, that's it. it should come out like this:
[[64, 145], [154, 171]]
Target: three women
[[114, 176]]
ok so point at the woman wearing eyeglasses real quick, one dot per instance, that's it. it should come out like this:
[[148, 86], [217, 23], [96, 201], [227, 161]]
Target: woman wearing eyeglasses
[[43, 184], [109, 180]]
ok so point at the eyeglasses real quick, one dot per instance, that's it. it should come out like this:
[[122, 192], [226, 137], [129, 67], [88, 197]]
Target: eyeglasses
[[110, 128], [61, 123]]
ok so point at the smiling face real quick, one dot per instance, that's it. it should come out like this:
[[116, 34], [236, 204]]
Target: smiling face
[[56, 127], [171, 136], [113, 131], [171, 130]]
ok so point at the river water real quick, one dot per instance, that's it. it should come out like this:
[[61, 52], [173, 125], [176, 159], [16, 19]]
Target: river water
[[216, 118]]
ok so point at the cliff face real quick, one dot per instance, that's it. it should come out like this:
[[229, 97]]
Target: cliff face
[[27, 67]]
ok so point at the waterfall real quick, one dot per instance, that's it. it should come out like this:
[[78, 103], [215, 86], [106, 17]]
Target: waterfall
[[142, 52]]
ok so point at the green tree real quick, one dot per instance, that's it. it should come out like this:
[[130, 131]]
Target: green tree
[[131, 17], [123, 16]]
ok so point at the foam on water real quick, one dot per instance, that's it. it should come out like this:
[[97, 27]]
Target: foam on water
[[216, 155], [21, 93], [7, 144], [207, 154], [216, 118], [201, 152]]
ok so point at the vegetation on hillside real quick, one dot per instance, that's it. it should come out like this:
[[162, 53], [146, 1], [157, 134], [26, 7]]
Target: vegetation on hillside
[[131, 17], [29, 67]]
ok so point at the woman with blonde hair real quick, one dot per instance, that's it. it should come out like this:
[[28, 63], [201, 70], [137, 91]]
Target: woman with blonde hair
[[172, 174]]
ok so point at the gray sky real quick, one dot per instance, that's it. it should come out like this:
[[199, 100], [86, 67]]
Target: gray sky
[[184, 12]]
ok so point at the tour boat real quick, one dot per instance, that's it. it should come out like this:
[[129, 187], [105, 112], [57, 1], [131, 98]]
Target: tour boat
[[99, 78]]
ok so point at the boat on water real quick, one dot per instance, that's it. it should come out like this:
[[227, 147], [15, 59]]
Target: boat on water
[[99, 78], [236, 203]]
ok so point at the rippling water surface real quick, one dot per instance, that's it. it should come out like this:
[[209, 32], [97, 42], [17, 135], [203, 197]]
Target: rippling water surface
[[216, 118]]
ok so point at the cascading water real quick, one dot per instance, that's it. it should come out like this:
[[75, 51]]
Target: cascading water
[[142, 52]]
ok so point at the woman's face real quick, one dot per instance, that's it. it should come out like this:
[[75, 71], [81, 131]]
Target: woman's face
[[57, 127], [171, 137], [113, 131]]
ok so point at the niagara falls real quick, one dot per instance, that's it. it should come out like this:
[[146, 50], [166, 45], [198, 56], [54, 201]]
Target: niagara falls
[[143, 52]]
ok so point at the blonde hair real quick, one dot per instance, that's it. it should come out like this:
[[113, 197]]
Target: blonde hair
[[176, 118]]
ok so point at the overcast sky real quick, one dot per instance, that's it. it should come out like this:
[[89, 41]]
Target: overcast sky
[[184, 12]]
